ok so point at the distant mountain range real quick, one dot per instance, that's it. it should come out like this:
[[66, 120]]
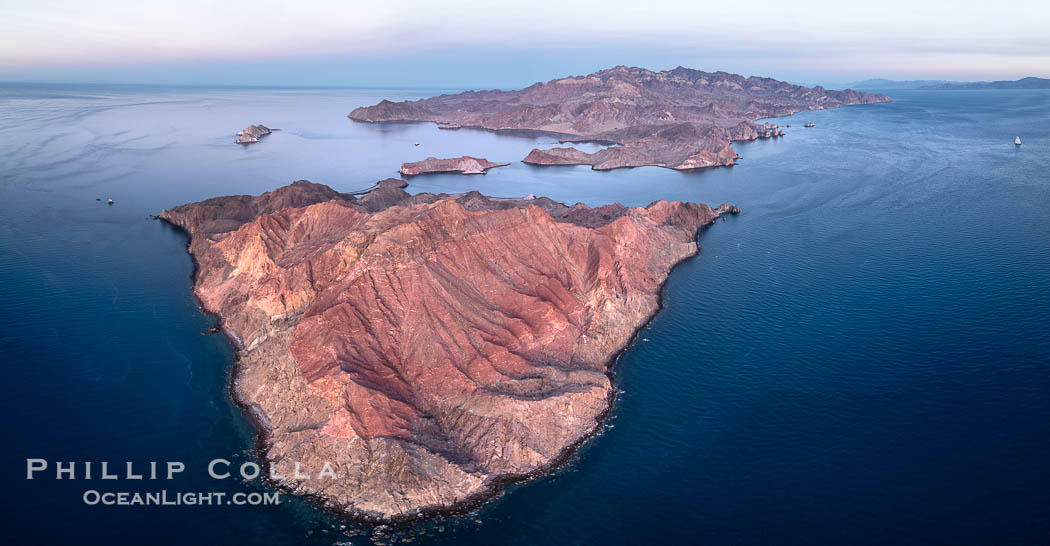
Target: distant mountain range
[[880, 83], [1023, 83]]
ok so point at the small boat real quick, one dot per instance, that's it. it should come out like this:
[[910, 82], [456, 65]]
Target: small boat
[[417, 144], [1017, 141], [109, 201], [810, 124]]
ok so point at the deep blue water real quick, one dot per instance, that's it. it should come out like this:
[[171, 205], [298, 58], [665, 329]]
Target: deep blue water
[[862, 356]]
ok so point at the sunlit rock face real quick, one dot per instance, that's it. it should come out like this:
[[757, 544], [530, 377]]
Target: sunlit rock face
[[425, 348]]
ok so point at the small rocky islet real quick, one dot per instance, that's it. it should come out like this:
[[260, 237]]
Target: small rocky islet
[[252, 134], [461, 165]]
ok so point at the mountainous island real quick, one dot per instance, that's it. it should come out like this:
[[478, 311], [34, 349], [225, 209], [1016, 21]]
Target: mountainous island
[[411, 353], [681, 118]]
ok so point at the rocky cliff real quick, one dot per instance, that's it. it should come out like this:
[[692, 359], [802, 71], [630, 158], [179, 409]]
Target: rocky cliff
[[681, 118], [424, 349]]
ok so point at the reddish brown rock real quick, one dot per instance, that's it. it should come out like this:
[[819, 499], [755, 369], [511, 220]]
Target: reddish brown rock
[[680, 119], [427, 347], [462, 165]]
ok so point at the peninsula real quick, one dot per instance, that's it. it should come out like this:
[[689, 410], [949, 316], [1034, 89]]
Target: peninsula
[[410, 353], [681, 119]]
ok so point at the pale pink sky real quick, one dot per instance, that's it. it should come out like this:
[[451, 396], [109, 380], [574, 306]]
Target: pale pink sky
[[262, 41]]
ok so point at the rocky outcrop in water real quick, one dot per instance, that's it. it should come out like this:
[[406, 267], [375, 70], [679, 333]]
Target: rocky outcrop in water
[[462, 165], [680, 119], [252, 134], [426, 348]]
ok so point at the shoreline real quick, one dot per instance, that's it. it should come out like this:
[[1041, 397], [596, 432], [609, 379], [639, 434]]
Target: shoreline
[[494, 489]]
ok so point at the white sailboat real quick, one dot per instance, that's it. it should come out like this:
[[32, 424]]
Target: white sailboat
[[1017, 141]]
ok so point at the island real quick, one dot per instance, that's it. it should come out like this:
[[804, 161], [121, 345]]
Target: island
[[252, 134], [461, 165], [409, 354], [680, 119]]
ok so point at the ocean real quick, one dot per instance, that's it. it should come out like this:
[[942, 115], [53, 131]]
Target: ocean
[[862, 356]]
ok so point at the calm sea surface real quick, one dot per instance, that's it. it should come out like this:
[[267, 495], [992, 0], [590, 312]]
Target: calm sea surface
[[862, 356]]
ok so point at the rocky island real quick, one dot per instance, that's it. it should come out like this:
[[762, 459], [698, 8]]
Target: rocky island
[[462, 165], [681, 119], [252, 134], [425, 349]]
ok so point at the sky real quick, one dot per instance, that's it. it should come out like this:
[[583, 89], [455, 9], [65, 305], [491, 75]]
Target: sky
[[496, 43]]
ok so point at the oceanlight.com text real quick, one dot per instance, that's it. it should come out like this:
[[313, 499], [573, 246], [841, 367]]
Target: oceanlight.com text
[[170, 498]]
